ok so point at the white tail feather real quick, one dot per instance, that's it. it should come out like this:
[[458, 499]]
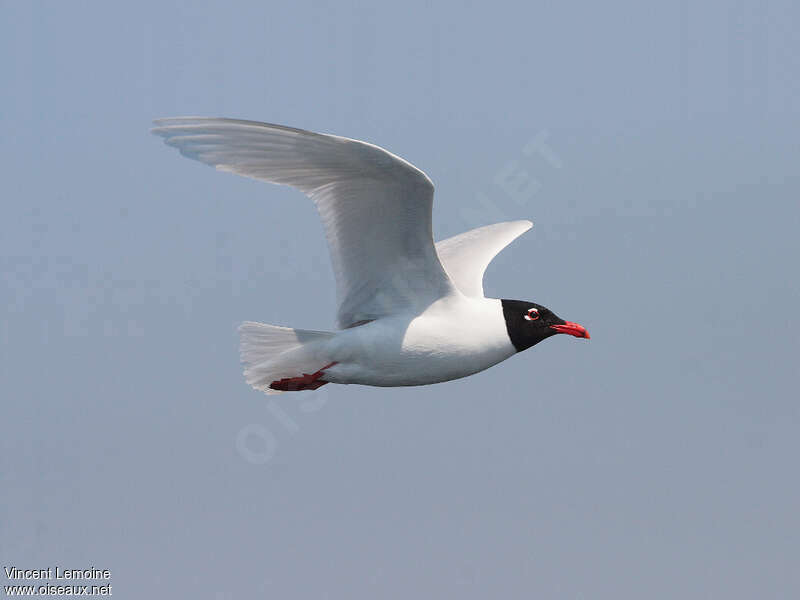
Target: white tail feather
[[270, 353]]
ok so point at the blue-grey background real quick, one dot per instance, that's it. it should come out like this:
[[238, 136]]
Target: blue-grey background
[[658, 460]]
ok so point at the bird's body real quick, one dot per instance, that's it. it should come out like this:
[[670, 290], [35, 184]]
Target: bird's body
[[411, 312], [454, 337]]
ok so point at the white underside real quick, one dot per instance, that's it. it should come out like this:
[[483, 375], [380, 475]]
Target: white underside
[[455, 337]]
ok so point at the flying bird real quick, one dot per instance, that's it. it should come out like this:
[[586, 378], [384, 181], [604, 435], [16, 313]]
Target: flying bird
[[410, 312]]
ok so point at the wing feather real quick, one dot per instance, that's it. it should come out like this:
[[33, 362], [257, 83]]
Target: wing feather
[[375, 207], [465, 256]]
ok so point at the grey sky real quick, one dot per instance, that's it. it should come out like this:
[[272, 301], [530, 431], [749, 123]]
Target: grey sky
[[658, 460]]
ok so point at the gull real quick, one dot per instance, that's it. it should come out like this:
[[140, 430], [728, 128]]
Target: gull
[[410, 311]]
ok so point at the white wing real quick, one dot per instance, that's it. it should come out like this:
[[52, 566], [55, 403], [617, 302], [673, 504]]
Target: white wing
[[375, 207], [466, 256]]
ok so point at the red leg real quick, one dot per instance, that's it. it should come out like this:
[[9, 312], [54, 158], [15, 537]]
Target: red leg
[[308, 381]]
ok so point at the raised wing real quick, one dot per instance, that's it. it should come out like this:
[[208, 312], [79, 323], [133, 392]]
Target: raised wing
[[375, 207], [466, 256]]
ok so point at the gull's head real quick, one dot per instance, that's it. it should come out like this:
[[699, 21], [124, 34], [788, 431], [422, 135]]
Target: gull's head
[[529, 323]]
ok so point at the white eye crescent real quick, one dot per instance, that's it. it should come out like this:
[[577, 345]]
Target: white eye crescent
[[533, 314]]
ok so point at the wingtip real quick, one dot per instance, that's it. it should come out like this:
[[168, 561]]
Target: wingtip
[[524, 224]]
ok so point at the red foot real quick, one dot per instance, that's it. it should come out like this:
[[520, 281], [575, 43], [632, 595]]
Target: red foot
[[308, 381]]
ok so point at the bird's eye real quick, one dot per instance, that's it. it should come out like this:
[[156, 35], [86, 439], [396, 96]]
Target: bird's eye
[[532, 314]]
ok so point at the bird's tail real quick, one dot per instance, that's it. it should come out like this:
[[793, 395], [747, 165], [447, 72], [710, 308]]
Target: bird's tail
[[271, 353]]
